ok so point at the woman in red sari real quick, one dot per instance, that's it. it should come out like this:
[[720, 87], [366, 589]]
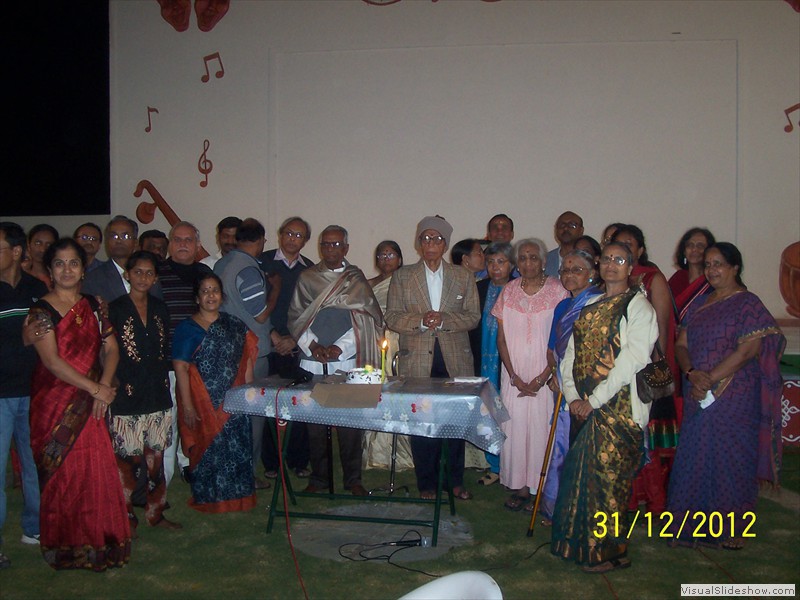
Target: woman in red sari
[[689, 283], [84, 522], [650, 485]]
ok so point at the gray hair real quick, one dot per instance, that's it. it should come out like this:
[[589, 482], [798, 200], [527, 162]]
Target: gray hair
[[584, 256], [285, 224], [503, 248], [335, 228], [531, 242], [184, 224], [120, 219]]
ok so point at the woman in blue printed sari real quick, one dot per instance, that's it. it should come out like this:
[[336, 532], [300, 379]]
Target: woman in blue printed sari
[[499, 266], [213, 352], [578, 274]]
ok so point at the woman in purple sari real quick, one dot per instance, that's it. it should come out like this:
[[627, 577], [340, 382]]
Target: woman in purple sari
[[729, 347]]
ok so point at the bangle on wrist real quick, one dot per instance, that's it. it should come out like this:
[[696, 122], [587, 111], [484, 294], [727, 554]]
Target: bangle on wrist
[[538, 380], [97, 391]]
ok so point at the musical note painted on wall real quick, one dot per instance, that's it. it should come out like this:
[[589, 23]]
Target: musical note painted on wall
[[789, 128], [149, 127], [204, 165], [146, 211], [220, 72]]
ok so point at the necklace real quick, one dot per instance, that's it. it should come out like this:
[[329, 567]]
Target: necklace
[[529, 286], [78, 318], [719, 297]]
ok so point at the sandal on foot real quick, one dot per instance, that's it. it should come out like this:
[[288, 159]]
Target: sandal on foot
[[462, 493], [165, 523], [489, 479], [427, 495], [610, 565], [528, 508], [516, 502]]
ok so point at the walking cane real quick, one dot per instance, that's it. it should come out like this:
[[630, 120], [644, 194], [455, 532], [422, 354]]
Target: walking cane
[[545, 465]]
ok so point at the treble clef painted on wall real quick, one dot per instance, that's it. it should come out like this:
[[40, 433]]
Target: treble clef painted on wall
[[204, 165], [146, 211]]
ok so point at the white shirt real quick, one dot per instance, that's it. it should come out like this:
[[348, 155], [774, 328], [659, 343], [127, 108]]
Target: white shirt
[[210, 261], [279, 255], [347, 344], [435, 281], [121, 271]]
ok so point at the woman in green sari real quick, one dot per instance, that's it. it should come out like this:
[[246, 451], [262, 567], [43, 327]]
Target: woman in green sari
[[612, 340]]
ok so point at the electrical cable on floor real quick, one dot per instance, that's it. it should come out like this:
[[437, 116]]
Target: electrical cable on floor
[[403, 543], [514, 564], [285, 498]]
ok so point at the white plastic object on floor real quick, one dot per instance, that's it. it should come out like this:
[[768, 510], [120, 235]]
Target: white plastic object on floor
[[466, 585]]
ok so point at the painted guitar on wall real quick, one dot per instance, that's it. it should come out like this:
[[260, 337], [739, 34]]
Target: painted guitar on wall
[[146, 211]]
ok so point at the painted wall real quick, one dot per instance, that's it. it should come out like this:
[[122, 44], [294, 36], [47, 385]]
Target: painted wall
[[665, 114]]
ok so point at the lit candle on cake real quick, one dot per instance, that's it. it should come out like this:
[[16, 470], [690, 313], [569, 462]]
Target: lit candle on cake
[[384, 346]]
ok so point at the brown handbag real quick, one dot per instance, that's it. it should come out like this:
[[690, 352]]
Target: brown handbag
[[655, 380]]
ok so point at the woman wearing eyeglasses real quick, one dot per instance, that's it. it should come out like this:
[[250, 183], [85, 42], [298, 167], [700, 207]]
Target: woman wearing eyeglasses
[[650, 485], [524, 312], [378, 444], [729, 347], [611, 341], [579, 277], [388, 258]]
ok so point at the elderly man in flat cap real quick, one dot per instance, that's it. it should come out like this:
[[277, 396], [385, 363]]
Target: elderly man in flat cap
[[432, 305]]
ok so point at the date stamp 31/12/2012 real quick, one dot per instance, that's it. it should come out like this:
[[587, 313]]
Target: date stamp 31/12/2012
[[696, 524]]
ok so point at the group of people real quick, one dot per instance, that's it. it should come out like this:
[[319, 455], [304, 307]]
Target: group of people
[[114, 373]]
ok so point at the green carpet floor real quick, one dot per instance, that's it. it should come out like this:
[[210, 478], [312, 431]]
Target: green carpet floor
[[231, 556]]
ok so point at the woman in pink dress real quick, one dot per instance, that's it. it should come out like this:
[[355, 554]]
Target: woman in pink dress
[[524, 311]]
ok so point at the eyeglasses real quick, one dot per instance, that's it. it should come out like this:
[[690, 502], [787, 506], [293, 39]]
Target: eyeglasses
[[431, 239], [88, 238], [331, 244], [568, 225], [572, 271], [294, 234], [386, 256], [121, 236], [607, 260]]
